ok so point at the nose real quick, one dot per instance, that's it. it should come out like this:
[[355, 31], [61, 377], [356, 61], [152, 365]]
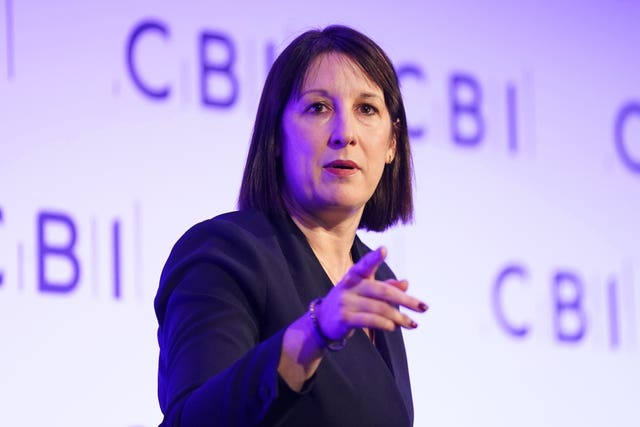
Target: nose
[[344, 129]]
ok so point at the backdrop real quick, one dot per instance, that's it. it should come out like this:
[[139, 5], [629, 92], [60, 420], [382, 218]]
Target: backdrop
[[123, 123]]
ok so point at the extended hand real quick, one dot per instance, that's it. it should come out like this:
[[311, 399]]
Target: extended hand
[[361, 301]]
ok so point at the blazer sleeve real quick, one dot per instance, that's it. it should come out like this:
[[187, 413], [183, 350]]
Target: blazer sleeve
[[215, 368]]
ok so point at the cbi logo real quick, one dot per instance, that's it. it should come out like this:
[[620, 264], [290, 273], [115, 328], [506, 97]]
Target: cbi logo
[[565, 306], [72, 256]]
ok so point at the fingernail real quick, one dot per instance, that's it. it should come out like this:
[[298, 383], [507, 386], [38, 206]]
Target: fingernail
[[413, 325], [423, 307]]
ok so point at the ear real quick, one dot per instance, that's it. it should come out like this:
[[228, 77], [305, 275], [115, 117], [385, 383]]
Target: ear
[[391, 152]]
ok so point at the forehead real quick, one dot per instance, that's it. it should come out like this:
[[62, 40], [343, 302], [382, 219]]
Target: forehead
[[333, 68]]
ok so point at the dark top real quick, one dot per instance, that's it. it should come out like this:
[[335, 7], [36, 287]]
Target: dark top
[[228, 291]]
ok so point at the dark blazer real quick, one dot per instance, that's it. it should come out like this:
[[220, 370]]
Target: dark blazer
[[228, 291]]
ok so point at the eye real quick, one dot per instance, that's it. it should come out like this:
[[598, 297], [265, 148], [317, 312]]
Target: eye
[[368, 109], [317, 108]]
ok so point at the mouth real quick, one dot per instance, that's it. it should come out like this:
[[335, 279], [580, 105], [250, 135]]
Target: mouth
[[341, 164], [341, 168]]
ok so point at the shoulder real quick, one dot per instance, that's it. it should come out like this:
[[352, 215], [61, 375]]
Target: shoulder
[[230, 231], [230, 235], [240, 223], [240, 244]]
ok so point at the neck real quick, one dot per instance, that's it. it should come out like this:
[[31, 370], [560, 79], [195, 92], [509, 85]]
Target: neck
[[331, 241]]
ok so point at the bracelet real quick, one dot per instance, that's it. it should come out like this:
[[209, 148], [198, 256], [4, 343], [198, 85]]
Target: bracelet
[[329, 344]]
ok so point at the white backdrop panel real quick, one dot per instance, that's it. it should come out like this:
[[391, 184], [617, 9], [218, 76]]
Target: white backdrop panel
[[526, 138]]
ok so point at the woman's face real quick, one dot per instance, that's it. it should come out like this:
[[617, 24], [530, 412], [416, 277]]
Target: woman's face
[[337, 136]]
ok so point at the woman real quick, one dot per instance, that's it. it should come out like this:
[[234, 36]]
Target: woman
[[278, 314]]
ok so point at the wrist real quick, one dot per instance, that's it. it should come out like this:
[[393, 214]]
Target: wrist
[[322, 338]]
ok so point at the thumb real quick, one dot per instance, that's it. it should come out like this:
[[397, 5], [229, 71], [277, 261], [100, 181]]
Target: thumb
[[366, 267]]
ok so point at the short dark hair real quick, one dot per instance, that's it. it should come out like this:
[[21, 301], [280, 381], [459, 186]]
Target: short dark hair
[[261, 187]]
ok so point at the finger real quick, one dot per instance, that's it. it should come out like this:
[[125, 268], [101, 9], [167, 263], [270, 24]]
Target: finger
[[376, 321], [365, 268], [403, 285], [391, 294], [384, 309]]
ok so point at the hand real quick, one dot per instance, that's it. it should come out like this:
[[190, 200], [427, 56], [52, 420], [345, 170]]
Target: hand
[[361, 301]]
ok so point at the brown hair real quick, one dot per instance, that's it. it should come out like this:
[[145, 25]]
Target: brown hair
[[261, 184]]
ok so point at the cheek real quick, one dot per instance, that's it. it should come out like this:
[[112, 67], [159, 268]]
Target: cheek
[[383, 149], [295, 160], [299, 147], [379, 168], [289, 138], [379, 162], [293, 155]]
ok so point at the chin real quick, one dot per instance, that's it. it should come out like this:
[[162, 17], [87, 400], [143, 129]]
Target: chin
[[348, 205]]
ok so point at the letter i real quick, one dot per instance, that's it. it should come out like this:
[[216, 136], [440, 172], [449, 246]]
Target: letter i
[[512, 120], [117, 291], [612, 302]]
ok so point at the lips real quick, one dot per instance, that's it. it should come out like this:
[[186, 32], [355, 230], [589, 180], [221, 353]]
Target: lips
[[341, 167]]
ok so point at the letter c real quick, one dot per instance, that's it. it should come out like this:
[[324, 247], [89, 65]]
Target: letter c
[[511, 270], [142, 28], [624, 114], [414, 71]]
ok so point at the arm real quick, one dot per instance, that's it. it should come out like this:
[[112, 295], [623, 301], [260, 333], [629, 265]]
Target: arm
[[213, 369]]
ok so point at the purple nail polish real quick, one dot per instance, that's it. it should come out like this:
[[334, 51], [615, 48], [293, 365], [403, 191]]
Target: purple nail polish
[[413, 325], [423, 307]]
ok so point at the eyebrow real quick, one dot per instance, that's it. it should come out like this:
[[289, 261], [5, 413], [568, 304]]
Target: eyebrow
[[323, 92]]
